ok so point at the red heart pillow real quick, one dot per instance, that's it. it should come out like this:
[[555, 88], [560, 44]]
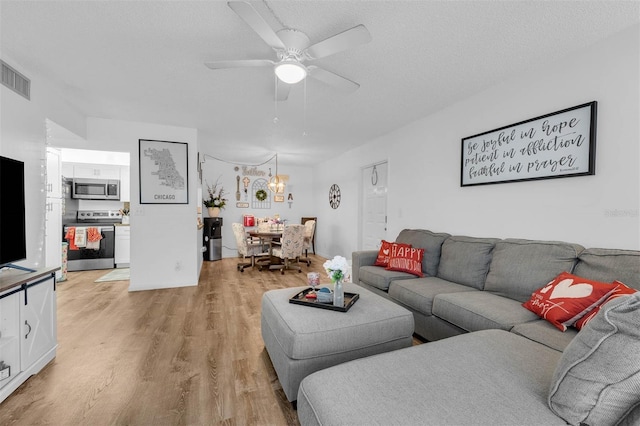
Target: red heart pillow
[[567, 298], [384, 254], [406, 259], [620, 290]]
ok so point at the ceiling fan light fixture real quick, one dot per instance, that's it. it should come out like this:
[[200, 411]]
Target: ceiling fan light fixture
[[290, 71]]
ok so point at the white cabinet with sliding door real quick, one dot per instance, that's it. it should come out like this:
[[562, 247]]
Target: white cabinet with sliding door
[[28, 326], [9, 336], [38, 321]]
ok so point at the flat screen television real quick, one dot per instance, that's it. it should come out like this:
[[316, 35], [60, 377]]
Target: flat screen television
[[13, 241]]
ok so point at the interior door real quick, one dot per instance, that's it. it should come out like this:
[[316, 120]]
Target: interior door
[[374, 206]]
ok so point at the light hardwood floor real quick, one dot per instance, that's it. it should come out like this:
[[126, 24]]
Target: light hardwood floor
[[185, 356]]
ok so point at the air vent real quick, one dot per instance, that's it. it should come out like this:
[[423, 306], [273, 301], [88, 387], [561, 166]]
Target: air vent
[[15, 81]]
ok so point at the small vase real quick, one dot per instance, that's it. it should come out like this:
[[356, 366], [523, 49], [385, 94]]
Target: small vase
[[338, 294], [213, 211]]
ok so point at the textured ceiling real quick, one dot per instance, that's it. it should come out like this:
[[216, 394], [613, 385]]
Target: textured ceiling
[[143, 61]]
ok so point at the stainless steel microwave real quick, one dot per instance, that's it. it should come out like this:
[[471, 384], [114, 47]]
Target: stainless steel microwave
[[95, 189]]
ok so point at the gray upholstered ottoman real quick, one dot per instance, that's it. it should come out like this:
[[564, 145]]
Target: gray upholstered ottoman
[[301, 340]]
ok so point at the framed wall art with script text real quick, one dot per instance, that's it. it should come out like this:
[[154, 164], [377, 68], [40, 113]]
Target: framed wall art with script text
[[555, 145]]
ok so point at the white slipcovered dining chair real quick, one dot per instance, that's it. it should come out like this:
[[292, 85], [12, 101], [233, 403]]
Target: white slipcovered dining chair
[[309, 231], [246, 247], [290, 247]]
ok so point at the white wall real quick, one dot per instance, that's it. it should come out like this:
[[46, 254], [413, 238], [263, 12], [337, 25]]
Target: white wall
[[424, 162], [165, 248], [299, 185], [23, 137]]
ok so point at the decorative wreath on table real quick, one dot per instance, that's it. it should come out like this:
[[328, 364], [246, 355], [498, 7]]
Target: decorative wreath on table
[[261, 194]]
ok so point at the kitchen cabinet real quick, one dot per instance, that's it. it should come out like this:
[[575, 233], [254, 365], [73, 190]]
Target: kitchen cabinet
[[125, 190], [91, 171], [53, 229], [122, 246], [96, 171], [28, 326], [54, 170]]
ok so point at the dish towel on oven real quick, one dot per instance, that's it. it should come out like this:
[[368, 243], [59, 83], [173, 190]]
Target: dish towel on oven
[[70, 236], [81, 237], [93, 238]]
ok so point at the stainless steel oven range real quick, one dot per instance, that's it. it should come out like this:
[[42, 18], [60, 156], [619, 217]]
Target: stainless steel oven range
[[84, 254]]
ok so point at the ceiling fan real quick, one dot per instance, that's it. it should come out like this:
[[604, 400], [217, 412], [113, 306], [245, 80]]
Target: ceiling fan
[[293, 48]]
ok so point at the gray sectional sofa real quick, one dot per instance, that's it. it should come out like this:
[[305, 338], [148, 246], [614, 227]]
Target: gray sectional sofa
[[473, 284], [489, 360]]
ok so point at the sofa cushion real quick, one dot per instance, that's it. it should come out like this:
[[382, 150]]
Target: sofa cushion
[[543, 332], [406, 259], [380, 278], [485, 378], [597, 381], [480, 310], [567, 298], [465, 260], [431, 242], [418, 293], [520, 267], [610, 265], [620, 290]]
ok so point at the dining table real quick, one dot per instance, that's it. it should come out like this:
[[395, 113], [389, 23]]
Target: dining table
[[267, 238]]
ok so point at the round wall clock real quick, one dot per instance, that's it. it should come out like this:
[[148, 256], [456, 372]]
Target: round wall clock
[[334, 196]]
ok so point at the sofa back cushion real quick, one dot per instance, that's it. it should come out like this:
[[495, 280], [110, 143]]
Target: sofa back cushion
[[597, 379], [610, 265], [465, 260], [431, 242], [520, 267]]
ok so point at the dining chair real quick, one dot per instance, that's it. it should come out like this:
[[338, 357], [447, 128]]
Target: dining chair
[[313, 239], [309, 231], [289, 249], [247, 248]]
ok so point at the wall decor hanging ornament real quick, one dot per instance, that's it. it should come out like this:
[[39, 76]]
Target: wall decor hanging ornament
[[334, 196], [261, 194]]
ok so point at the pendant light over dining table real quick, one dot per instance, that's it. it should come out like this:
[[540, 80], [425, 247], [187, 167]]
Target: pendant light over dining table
[[276, 183]]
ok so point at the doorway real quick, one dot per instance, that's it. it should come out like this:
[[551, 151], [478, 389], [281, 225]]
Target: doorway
[[65, 162], [374, 206]]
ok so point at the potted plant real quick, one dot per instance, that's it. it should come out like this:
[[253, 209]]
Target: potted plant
[[216, 200]]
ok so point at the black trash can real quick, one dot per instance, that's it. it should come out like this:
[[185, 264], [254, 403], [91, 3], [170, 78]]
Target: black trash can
[[212, 238]]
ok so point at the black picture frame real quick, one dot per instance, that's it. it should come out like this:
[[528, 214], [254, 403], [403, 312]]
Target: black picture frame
[[164, 172], [555, 145]]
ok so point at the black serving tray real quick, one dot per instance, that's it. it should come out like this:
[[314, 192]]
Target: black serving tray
[[300, 299]]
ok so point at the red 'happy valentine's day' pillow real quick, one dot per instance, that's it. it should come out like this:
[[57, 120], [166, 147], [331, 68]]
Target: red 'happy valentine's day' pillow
[[384, 254], [406, 259]]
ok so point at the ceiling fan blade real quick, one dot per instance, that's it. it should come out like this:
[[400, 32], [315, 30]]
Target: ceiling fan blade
[[332, 79], [282, 91], [257, 23], [339, 42], [216, 65]]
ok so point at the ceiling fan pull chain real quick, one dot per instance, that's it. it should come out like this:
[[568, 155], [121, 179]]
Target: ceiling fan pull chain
[[304, 108], [275, 100]]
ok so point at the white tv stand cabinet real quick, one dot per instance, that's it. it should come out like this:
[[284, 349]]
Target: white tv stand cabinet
[[28, 325]]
